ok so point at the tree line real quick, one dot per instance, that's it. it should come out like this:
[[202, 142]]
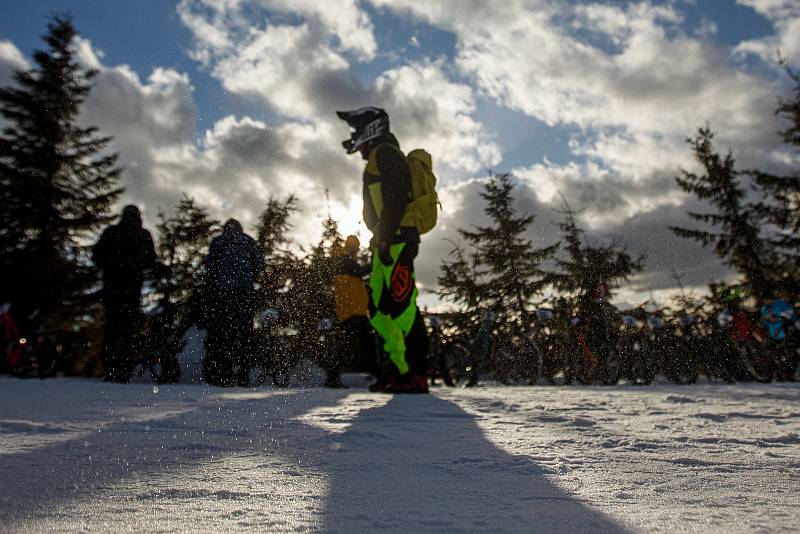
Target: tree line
[[59, 183], [752, 223]]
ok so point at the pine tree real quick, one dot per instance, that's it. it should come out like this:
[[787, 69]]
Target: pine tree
[[781, 202], [585, 269], [271, 233], [459, 281], [789, 109], [307, 296], [331, 241], [506, 266], [320, 266], [184, 236], [735, 232], [58, 183]]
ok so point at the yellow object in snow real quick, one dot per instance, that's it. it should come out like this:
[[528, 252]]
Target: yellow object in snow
[[351, 297]]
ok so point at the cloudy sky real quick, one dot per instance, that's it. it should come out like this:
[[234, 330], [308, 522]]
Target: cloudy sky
[[231, 101]]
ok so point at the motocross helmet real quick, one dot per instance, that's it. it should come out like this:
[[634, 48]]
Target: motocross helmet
[[731, 294], [368, 124]]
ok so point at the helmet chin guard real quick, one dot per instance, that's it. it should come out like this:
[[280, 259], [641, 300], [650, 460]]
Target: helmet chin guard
[[368, 123]]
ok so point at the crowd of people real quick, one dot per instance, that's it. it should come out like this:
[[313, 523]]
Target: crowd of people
[[399, 205]]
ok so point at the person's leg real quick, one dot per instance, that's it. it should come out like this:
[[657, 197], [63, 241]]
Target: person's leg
[[365, 356], [113, 320], [130, 349], [336, 350], [417, 345], [242, 342], [394, 294], [213, 372], [116, 339]]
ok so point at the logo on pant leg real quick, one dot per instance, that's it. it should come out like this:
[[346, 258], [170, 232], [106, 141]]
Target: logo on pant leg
[[401, 283]]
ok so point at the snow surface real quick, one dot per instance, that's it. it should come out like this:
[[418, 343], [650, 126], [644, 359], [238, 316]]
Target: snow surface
[[78, 455]]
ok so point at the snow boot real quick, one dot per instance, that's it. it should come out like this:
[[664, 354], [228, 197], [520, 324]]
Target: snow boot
[[382, 386], [409, 383]]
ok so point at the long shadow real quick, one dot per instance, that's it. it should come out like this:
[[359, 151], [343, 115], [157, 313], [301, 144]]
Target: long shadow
[[415, 464], [421, 464], [36, 485]]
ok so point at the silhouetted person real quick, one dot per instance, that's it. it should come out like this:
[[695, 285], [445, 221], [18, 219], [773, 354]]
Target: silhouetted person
[[123, 253], [396, 218], [233, 262], [357, 347]]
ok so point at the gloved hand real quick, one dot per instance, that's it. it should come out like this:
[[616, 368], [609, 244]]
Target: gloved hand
[[384, 253]]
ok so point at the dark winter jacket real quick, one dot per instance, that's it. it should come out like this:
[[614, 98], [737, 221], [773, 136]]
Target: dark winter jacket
[[347, 265], [123, 253], [234, 260], [393, 176]]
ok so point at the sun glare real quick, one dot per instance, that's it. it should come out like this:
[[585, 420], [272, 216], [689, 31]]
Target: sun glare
[[350, 220]]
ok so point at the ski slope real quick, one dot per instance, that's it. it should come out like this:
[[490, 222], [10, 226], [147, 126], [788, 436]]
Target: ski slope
[[78, 455]]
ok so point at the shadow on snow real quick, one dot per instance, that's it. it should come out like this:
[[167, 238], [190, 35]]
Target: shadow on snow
[[417, 463]]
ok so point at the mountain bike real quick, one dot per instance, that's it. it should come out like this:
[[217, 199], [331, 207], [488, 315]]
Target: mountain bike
[[465, 355], [29, 351], [593, 357], [158, 344], [437, 360], [276, 350]]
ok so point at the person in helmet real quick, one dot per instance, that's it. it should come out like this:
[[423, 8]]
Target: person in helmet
[[776, 314], [741, 326], [123, 254], [387, 192]]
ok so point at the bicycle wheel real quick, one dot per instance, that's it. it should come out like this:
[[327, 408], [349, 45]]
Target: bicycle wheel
[[681, 367], [759, 362], [282, 369], [551, 363], [515, 363], [280, 378], [442, 370], [459, 365], [610, 366]]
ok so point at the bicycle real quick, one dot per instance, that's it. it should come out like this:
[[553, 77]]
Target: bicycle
[[593, 357], [437, 362], [160, 341], [276, 350], [515, 358], [29, 351], [465, 355]]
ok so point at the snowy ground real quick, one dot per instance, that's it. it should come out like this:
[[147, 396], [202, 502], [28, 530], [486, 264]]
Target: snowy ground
[[87, 456]]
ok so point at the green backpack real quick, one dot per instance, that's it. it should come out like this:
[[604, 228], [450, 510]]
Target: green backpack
[[423, 210]]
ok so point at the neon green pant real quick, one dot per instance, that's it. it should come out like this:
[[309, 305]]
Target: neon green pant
[[393, 303]]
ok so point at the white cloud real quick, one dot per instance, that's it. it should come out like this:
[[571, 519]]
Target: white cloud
[[631, 80], [634, 79], [430, 111], [635, 99], [11, 59], [301, 71], [343, 19], [785, 16], [232, 168]]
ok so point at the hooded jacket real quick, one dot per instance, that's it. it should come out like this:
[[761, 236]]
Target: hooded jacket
[[234, 260], [123, 253]]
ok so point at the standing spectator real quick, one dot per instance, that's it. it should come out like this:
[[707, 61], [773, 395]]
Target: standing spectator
[[123, 253], [776, 314], [233, 262], [352, 304], [400, 204]]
